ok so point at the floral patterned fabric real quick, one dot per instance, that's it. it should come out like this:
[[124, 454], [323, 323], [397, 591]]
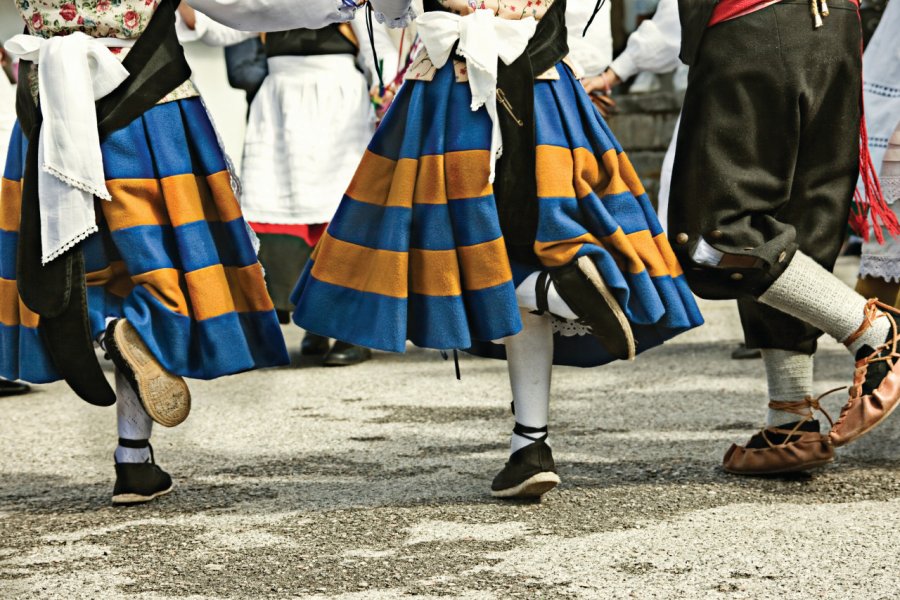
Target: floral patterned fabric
[[122, 19], [506, 9]]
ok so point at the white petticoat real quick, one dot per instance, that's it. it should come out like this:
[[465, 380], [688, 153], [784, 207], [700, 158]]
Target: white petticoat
[[309, 126]]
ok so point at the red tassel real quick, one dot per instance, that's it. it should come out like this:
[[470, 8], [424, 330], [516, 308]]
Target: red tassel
[[870, 208]]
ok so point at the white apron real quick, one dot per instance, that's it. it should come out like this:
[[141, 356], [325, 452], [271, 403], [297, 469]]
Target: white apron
[[309, 126]]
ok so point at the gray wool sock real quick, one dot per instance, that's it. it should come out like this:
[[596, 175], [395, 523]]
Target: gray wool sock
[[807, 291], [790, 377]]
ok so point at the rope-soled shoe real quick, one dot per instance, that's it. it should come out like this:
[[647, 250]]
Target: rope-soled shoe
[[137, 483], [165, 396], [791, 448], [530, 471], [875, 392]]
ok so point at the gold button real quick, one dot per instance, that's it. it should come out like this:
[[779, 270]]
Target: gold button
[[737, 276], [782, 256], [682, 238], [716, 234]]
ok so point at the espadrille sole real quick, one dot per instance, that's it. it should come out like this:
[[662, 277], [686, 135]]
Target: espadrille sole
[[533, 487], [165, 396], [125, 499]]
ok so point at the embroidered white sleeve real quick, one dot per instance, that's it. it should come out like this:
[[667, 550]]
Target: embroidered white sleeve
[[275, 15]]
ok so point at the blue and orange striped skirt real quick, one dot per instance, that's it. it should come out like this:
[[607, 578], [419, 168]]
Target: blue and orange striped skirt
[[173, 254], [415, 251]]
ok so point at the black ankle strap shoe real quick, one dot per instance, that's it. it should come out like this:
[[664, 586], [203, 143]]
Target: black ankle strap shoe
[[530, 471], [137, 483]]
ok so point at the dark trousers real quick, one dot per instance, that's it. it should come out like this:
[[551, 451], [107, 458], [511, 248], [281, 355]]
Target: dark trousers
[[768, 157]]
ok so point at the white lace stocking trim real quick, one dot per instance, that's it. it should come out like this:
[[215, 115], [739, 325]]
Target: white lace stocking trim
[[567, 328], [890, 186], [880, 267]]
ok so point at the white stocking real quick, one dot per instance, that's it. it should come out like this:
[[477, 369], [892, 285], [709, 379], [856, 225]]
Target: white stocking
[[529, 357], [133, 422]]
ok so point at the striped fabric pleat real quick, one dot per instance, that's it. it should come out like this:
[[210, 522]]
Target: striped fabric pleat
[[415, 251], [418, 229], [173, 254]]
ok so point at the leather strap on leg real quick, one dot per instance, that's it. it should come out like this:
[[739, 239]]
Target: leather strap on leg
[[529, 432]]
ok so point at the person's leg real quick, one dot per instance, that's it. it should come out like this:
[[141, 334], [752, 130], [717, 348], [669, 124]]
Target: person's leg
[[768, 196], [138, 478], [530, 471]]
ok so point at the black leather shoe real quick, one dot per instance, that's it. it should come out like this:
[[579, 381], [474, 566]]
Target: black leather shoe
[[13, 388], [343, 354], [314, 344], [530, 471], [137, 483], [581, 286]]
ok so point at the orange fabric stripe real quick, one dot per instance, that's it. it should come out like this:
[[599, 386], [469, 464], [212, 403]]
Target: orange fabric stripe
[[647, 254], [668, 255], [167, 286], [363, 269], [630, 176], [247, 286], [114, 278], [468, 172], [208, 290], [135, 202], [175, 200], [484, 265], [431, 184], [225, 203], [372, 181], [12, 311], [430, 180], [10, 204], [565, 173], [187, 199], [434, 272], [561, 252]]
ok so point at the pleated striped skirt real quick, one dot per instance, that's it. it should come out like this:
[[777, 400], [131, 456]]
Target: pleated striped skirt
[[415, 251], [173, 254]]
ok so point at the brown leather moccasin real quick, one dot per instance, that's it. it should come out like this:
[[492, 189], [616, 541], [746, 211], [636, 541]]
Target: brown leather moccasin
[[788, 448], [875, 392]]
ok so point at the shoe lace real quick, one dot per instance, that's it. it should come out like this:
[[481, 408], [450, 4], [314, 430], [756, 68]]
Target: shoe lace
[[875, 309], [805, 408]]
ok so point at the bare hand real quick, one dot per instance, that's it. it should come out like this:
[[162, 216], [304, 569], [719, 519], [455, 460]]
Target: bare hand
[[188, 15]]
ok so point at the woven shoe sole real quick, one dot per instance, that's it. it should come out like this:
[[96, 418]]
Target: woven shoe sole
[[533, 487], [165, 396], [126, 499]]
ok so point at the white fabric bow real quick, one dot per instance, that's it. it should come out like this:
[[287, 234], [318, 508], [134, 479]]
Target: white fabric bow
[[484, 40], [75, 71]]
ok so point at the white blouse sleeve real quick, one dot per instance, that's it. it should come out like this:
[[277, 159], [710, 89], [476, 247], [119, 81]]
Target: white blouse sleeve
[[394, 13], [210, 32], [279, 15], [591, 51], [654, 46]]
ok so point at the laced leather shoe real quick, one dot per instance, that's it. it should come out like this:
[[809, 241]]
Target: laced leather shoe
[[875, 392], [791, 448]]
